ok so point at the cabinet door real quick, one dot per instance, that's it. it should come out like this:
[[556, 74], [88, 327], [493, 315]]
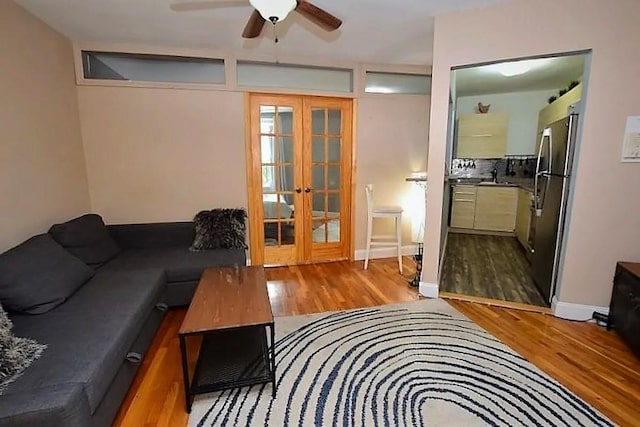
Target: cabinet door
[[496, 208], [482, 146], [523, 219], [482, 135], [557, 110], [463, 207]]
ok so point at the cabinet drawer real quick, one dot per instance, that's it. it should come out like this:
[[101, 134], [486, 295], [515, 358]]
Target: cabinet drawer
[[464, 191]]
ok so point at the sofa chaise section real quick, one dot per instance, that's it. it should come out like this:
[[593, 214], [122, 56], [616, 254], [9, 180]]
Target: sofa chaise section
[[89, 339]]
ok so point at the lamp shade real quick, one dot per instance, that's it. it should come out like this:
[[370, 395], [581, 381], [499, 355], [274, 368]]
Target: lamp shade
[[278, 9]]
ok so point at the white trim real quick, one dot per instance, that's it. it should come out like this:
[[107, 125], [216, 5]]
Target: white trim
[[429, 290], [570, 311], [390, 252]]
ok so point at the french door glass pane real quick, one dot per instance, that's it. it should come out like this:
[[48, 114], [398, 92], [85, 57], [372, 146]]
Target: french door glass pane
[[334, 204], [335, 122], [277, 157], [326, 126], [333, 179], [317, 121], [285, 150], [285, 120], [317, 149], [317, 177], [334, 149], [318, 204]]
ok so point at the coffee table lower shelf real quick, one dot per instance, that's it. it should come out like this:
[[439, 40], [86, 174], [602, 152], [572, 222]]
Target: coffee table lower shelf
[[230, 358]]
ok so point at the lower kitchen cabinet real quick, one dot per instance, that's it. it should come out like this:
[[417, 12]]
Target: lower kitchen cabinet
[[484, 208], [463, 208], [523, 220], [496, 208]]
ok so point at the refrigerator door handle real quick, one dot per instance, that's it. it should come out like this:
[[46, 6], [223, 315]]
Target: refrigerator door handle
[[538, 202]]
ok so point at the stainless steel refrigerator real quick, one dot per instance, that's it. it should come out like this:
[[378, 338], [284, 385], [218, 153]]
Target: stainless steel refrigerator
[[551, 188]]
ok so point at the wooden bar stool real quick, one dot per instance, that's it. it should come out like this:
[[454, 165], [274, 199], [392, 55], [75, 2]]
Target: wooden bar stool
[[394, 212]]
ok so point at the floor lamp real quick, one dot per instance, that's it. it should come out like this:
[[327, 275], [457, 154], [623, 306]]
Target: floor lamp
[[417, 222]]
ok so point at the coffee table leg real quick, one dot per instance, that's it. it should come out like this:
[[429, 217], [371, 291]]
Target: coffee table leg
[[273, 360], [185, 374]]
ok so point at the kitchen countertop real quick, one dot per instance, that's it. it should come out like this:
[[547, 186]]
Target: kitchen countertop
[[524, 183]]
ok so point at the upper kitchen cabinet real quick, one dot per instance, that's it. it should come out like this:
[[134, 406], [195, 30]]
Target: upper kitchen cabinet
[[557, 110], [482, 136]]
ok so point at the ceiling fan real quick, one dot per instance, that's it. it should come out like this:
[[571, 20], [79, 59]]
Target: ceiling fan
[[275, 11]]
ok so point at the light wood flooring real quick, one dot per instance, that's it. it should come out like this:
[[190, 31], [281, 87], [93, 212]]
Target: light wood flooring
[[586, 358], [490, 267]]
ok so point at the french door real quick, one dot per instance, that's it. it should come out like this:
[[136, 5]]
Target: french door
[[299, 166]]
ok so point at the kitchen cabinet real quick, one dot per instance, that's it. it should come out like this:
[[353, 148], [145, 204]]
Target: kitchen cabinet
[[463, 208], [484, 208], [557, 110], [523, 218], [482, 136], [496, 208]]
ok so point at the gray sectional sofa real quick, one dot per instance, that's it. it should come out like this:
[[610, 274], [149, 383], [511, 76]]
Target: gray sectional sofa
[[99, 294]]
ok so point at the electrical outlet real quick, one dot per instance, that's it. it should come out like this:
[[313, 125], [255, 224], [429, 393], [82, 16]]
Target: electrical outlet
[[600, 318]]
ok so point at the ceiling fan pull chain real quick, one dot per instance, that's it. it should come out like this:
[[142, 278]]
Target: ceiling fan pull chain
[[275, 33]]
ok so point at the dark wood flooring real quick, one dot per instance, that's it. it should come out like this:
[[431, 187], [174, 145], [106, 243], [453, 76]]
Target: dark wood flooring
[[489, 267]]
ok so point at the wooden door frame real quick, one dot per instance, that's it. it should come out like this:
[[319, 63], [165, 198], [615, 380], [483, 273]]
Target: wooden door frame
[[256, 208]]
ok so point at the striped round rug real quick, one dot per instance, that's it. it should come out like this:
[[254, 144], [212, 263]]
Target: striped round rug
[[414, 364]]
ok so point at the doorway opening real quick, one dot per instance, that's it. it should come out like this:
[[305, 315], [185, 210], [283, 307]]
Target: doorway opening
[[510, 149]]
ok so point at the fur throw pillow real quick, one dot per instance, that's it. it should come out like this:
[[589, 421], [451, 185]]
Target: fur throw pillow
[[220, 229], [16, 354]]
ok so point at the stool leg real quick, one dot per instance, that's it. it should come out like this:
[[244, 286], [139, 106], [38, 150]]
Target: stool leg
[[369, 234], [399, 241]]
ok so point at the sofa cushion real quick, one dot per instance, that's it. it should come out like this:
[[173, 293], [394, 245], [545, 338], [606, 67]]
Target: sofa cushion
[[87, 238], [16, 354], [220, 229], [89, 336], [38, 275], [57, 405], [180, 264]]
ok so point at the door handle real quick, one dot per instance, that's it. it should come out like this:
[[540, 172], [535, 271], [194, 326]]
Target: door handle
[[307, 189], [298, 190]]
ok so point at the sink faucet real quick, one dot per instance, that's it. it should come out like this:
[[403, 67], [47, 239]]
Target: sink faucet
[[494, 175]]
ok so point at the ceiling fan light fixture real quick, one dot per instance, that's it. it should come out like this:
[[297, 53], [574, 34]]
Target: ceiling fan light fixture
[[274, 10]]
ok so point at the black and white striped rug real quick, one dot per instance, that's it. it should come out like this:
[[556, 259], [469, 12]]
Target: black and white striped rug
[[414, 364]]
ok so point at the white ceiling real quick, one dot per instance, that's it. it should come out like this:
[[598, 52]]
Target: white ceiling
[[548, 73], [373, 31]]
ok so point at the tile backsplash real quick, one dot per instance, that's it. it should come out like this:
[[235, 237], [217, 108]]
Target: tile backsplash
[[521, 168]]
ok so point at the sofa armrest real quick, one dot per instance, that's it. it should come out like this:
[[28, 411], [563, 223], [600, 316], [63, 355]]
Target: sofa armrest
[[57, 405], [153, 235]]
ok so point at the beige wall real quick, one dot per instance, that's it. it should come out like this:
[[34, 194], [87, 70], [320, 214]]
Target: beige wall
[[391, 143], [42, 171], [605, 224], [162, 154]]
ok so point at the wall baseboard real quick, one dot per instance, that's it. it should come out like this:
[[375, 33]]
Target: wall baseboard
[[375, 253], [570, 311], [429, 290]]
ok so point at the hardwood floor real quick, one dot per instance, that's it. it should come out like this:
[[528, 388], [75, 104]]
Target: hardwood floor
[[587, 359], [489, 267]]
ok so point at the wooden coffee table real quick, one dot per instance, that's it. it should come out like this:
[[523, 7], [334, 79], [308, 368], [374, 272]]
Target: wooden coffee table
[[231, 311]]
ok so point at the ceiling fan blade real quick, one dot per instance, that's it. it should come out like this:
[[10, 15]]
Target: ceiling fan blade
[[254, 26], [319, 16]]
